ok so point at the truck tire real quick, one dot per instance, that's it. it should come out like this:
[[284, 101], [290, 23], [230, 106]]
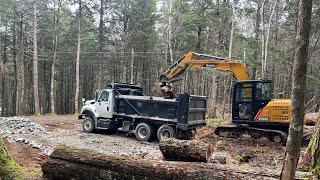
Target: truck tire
[[144, 132], [88, 125], [165, 132]]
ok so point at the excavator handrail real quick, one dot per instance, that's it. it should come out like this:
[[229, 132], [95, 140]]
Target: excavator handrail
[[237, 68]]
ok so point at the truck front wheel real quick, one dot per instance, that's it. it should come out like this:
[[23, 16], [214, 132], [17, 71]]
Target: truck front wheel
[[165, 132], [144, 132], [88, 125]]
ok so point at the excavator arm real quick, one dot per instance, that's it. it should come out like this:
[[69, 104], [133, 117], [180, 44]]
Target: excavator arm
[[238, 69]]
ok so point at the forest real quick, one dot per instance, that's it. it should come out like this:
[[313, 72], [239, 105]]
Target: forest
[[55, 52]]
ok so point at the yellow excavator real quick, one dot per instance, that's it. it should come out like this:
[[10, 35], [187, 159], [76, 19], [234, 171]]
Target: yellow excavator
[[254, 111]]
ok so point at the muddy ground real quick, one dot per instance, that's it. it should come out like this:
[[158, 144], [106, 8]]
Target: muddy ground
[[67, 130]]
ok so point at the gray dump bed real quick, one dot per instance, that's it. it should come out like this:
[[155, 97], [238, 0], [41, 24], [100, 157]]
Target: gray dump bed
[[186, 110]]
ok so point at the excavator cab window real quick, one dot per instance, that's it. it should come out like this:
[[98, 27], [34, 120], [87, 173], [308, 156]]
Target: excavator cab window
[[248, 98], [242, 106], [264, 91]]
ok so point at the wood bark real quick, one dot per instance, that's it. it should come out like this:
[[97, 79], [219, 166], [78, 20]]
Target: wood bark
[[35, 62], [68, 163], [76, 97], [298, 90], [185, 150]]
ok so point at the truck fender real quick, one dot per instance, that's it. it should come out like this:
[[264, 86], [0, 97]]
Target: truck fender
[[88, 113]]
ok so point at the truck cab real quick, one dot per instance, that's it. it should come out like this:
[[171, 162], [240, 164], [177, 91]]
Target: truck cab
[[101, 109]]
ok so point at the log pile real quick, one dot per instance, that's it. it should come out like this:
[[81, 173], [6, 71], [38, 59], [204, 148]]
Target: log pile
[[68, 163]]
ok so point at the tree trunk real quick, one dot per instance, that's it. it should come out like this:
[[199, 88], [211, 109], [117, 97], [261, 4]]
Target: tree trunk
[[53, 66], [233, 21], [67, 163], [100, 67], [76, 97], [298, 90], [256, 37], [227, 83], [185, 150], [20, 72], [267, 42], [225, 95], [14, 41], [262, 38], [212, 111], [35, 62], [169, 30], [132, 67]]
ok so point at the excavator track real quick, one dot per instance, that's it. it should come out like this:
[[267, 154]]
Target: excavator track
[[236, 131]]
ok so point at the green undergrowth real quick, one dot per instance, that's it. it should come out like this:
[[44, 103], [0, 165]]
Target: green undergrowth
[[8, 168]]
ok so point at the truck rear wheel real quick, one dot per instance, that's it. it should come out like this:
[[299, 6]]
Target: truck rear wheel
[[165, 132], [144, 132], [88, 125]]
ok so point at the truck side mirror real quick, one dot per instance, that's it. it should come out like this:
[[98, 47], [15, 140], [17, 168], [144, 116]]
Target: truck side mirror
[[83, 101], [97, 93]]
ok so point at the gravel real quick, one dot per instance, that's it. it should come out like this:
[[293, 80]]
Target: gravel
[[14, 130], [69, 132], [17, 125]]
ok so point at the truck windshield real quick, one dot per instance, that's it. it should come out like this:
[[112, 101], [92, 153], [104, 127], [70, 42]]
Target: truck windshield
[[104, 96], [264, 90]]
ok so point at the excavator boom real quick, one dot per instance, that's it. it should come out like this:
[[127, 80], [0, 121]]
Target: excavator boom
[[237, 68]]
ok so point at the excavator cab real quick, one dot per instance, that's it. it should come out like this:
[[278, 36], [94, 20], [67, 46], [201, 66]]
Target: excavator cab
[[249, 97]]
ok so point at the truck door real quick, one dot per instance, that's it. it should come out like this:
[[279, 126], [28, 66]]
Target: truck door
[[103, 106], [242, 105]]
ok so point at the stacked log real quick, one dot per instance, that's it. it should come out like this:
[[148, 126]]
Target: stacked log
[[68, 163]]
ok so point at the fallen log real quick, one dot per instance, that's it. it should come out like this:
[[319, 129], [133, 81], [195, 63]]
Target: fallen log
[[185, 150], [68, 163]]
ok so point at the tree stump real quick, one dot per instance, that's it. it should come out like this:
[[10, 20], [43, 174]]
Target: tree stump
[[185, 150]]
